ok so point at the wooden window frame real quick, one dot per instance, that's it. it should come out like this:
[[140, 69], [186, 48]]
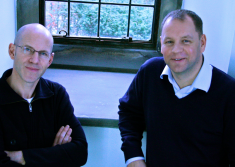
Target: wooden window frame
[[112, 42]]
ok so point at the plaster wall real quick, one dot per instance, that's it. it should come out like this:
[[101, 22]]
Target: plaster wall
[[218, 19], [7, 31]]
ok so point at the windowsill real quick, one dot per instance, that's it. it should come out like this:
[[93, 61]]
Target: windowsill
[[99, 122], [81, 57], [94, 95]]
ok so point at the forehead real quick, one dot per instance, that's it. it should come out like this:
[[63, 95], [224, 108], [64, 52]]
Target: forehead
[[36, 39], [179, 28]]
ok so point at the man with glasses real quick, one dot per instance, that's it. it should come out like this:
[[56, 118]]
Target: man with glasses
[[37, 124], [186, 106]]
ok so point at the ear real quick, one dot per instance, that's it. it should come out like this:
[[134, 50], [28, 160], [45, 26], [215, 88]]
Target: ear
[[11, 51], [203, 43], [51, 59], [161, 43]]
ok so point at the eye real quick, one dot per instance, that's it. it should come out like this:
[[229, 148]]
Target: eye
[[186, 41], [46, 54], [168, 42], [27, 49]]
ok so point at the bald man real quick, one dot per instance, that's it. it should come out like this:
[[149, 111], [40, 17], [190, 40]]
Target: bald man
[[37, 124]]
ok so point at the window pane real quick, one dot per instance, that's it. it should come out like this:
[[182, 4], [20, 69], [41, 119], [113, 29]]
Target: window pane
[[116, 1], [141, 23], [113, 21], [56, 16], [87, 0], [143, 2], [84, 19]]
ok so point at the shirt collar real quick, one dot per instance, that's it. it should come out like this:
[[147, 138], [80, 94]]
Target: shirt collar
[[202, 81], [8, 95]]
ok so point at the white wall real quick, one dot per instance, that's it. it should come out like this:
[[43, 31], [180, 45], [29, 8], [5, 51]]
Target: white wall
[[104, 147], [219, 25], [7, 31], [231, 69]]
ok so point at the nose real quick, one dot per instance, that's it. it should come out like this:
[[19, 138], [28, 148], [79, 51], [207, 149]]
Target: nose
[[177, 48], [34, 58]]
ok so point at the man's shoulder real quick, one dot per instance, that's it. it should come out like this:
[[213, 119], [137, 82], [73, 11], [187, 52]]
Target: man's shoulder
[[155, 63], [50, 83], [221, 78], [55, 87]]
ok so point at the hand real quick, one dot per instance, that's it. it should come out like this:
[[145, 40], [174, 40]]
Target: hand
[[138, 163], [63, 136], [16, 156]]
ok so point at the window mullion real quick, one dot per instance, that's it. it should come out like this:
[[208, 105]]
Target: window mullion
[[129, 17], [68, 17], [153, 22], [137, 38], [98, 31]]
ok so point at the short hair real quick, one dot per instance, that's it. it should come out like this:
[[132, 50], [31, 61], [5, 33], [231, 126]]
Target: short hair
[[181, 14]]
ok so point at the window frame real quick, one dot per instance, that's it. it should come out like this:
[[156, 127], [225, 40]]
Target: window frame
[[100, 41]]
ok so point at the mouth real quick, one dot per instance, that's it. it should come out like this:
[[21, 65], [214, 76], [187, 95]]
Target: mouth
[[178, 59], [32, 68]]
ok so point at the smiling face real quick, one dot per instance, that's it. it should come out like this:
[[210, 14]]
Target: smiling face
[[29, 68], [182, 47]]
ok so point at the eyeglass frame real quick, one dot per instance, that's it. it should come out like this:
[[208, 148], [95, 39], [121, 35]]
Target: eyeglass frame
[[32, 50]]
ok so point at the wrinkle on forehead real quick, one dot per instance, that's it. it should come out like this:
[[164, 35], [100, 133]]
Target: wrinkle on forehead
[[183, 37], [184, 20], [179, 28], [33, 29]]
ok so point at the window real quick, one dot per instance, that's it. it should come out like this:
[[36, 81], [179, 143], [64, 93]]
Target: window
[[118, 22]]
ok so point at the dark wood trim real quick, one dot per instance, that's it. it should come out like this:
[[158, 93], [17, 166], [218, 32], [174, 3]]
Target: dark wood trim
[[99, 122], [42, 12], [113, 42], [125, 44], [92, 68], [156, 22]]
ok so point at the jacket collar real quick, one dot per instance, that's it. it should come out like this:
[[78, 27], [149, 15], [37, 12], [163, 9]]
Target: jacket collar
[[8, 95]]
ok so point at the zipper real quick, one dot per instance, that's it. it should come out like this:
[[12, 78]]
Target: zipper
[[30, 107], [31, 144]]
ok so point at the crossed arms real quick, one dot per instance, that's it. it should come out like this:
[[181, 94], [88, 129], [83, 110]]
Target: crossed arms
[[46, 142], [63, 136]]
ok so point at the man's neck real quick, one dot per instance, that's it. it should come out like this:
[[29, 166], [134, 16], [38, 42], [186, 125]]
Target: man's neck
[[187, 78], [22, 88], [184, 81]]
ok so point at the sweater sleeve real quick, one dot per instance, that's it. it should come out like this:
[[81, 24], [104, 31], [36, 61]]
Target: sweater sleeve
[[4, 159], [229, 127], [69, 154], [131, 119]]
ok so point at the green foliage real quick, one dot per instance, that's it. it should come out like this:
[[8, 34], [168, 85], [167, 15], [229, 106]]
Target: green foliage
[[113, 19], [56, 16], [141, 23], [84, 19]]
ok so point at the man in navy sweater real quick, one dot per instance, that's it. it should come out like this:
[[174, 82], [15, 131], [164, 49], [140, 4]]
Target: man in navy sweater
[[37, 123], [186, 105]]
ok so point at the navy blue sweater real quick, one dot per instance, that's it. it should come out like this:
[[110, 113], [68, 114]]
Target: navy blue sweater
[[197, 130], [34, 132]]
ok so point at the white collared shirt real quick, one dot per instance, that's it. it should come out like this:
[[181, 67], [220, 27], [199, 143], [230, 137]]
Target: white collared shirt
[[29, 100], [202, 81]]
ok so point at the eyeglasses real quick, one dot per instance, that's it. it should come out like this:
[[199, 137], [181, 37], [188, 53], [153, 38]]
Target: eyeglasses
[[30, 51]]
